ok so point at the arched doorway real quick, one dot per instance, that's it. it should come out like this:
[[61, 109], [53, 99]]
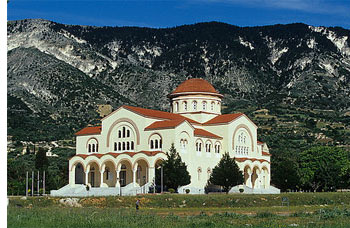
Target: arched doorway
[[109, 175], [247, 176], [265, 176], [94, 175], [255, 177], [125, 174], [142, 172], [79, 174]]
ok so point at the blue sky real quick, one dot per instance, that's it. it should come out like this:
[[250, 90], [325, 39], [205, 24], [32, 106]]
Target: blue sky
[[169, 13]]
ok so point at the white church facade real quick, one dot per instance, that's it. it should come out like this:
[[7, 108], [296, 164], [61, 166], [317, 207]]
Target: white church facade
[[120, 156]]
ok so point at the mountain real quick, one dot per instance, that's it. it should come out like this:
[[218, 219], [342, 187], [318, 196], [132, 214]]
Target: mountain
[[58, 73]]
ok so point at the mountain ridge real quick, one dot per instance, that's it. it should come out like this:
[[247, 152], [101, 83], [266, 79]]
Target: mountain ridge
[[294, 64]]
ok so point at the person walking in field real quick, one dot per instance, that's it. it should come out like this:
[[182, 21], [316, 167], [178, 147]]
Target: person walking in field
[[137, 205]]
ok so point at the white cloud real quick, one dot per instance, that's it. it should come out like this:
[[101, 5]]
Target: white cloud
[[339, 7]]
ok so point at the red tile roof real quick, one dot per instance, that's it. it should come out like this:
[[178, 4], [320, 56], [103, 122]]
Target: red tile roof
[[251, 159], [157, 114], [131, 154], [266, 154], [260, 142], [204, 133], [226, 118], [165, 124], [194, 85], [90, 131]]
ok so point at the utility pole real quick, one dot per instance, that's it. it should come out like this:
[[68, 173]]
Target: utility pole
[[161, 179], [26, 183], [38, 184], [44, 183], [32, 183]]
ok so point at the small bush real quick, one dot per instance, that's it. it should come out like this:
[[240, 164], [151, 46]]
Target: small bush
[[171, 190], [187, 191], [265, 215]]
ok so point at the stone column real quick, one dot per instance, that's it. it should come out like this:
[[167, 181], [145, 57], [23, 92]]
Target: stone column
[[72, 176], [117, 184], [134, 176], [87, 175], [249, 180], [101, 175], [151, 174]]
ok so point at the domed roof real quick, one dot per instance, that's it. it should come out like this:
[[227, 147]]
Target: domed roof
[[195, 85]]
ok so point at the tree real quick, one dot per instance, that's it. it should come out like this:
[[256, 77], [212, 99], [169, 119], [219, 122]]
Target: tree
[[284, 169], [175, 172], [226, 174], [324, 168], [41, 161]]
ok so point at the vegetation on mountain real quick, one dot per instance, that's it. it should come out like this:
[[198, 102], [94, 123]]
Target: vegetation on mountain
[[292, 80]]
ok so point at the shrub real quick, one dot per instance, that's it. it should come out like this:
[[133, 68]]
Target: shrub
[[171, 190], [187, 191]]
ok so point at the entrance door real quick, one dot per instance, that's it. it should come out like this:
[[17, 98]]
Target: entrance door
[[122, 178], [92, 178]]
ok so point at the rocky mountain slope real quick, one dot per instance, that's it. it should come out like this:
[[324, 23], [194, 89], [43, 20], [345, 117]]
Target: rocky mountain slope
[[60, 72]]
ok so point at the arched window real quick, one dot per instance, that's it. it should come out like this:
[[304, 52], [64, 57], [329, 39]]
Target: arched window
[[204, 105], [126, 137], [176, 106], [155, 141], [208, 147], [212, 106], [194, 105], [92, 146], [197, 147], [242, 140], [132, 145], [199, 170], [115, 146], [185, 105], [208, 173]]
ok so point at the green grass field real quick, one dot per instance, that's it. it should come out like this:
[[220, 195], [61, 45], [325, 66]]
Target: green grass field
[[172, 210]]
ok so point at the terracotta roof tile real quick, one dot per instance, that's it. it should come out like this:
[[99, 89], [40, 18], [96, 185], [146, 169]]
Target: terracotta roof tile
[[226, 118], [165, 124], [158, 114], [251, 159], [131, 154], [260, 142], [204, 133], [195, 85], [266, 154], [90, 131]]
